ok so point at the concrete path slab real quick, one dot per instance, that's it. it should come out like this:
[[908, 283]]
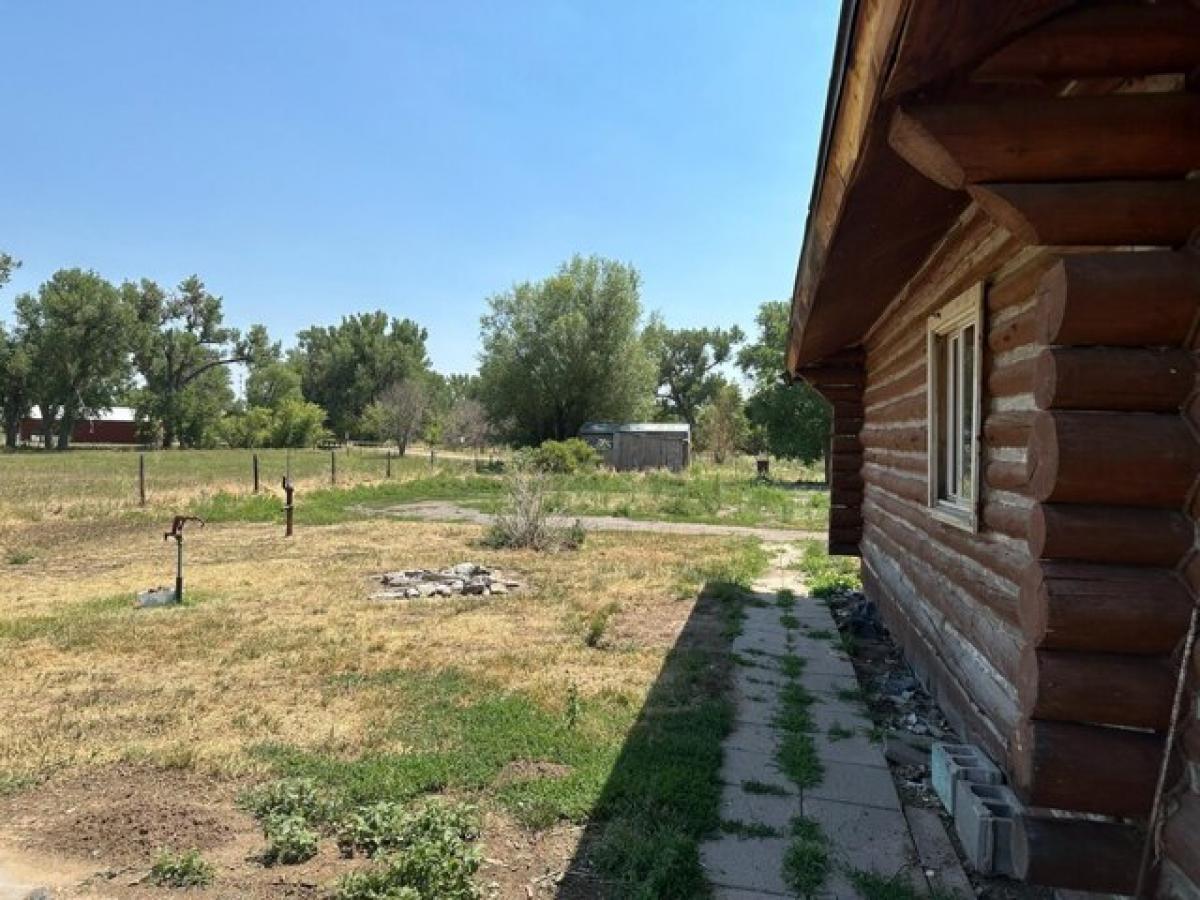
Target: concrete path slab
[[855, 804]]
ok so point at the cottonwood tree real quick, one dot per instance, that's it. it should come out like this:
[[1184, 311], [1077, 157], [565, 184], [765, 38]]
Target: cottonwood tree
[[399, 413], [723, 427], [180, 339], [686, 360], [76, 329], [345, 367], [564, 350], [794, 418], [14, 368]]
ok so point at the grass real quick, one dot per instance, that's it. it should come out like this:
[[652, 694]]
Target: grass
[[748, 829], [826, 575], [279, 667], [787, 620], [753, 786], [279, 670], [806, 866], [216, 484]]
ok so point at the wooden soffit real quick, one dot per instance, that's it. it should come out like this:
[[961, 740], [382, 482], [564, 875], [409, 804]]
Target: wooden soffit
[[873, 218]]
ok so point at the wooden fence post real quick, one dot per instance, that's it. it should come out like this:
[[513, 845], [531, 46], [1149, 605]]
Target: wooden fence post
[[333, 466], [389, 464], [255, 466], [142, 479]]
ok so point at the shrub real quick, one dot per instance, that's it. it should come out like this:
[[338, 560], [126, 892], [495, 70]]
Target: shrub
[[423, 854], [380, 828], [299, 797], [181, 870], [525, 522], [567, 457], [289, 840]]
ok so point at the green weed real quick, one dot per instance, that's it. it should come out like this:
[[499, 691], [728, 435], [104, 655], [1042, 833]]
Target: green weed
[[181, 870], [289, 840], [753, 786]]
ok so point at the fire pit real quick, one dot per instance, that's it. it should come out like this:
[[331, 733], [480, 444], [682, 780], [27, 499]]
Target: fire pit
[[463, 579]]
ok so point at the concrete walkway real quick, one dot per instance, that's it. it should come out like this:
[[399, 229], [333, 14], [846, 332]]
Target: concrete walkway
[[444, 511], [855, 804]]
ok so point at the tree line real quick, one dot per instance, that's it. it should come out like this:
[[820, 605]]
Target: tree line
[[570, 348]]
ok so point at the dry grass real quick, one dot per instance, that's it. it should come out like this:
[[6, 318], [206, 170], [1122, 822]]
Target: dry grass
[[253, 658]]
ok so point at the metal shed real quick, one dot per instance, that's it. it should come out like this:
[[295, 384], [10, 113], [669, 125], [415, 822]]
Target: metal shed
[[641, 445]]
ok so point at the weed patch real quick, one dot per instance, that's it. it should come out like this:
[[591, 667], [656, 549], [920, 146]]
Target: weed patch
[[806, 860], [181, 870], [752, 786]]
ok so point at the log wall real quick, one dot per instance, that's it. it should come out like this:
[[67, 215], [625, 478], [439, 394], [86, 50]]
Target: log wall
[[952, 595]]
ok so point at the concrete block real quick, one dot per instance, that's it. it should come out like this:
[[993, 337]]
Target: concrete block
[[950, 763], [983, 818], [155, 597]]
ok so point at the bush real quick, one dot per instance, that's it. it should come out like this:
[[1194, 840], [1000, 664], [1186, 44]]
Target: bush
[[564, 457], [299, 797], [382, 827], [524, 523], [181, 870], [424, 854], [289, 840]]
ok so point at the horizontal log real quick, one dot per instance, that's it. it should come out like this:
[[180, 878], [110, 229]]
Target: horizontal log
[[838, 548], [1118, 458], [1054, 139], [845, 425], [1013, 378], [1085, 768], [937, 563], [1096, 688], [1017, 287], [1123, 535], [1008, 429], [917, 464], [1005, 518], [834, 376], [843, 443], [835, 395], [841, 517], [1113, 378], [845, 535], [1016, 332], [1103, 608], [840, 496], [1077, 854], [1094, 213], [846, 462], [943, 653], [848, 409], [895, 438], [1098, 41], [1006, 476], [905, 384], [1144, 299]]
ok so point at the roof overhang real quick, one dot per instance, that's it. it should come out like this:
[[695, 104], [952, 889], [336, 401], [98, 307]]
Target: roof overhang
[[872, 218]]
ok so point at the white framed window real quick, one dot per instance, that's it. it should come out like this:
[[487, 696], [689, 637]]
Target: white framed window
[[955, 341]]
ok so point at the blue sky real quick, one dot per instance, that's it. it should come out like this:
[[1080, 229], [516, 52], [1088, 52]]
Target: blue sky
[[312, 159]]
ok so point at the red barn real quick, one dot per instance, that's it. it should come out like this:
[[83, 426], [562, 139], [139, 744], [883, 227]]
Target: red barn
[[114, 426]]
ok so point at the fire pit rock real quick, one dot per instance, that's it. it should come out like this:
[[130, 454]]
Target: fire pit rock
[[458, 580]]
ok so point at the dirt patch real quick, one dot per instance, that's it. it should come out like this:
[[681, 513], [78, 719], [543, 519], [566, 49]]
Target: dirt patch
[[124, 815], [524, 864]]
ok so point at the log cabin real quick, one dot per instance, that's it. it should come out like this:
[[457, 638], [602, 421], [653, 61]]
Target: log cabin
[[998, 294]]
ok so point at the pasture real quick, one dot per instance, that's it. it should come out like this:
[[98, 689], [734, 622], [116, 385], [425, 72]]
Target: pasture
[[579, 718]]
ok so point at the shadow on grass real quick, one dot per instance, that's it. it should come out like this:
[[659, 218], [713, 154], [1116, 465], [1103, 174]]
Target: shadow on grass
[[662, 796]]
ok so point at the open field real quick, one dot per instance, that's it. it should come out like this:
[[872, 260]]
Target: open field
[[90, 484], [582, 716]]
